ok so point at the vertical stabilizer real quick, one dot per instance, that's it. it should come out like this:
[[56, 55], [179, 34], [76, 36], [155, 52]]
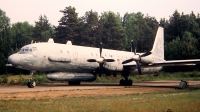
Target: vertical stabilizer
[[158, 46]]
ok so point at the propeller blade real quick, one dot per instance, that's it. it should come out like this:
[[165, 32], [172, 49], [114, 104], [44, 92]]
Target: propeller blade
[[100, 69], [91, 60], [134, 58], [138, 67], [133, 47], [127, 61], [109, 60], [146, 54], [100, 49]]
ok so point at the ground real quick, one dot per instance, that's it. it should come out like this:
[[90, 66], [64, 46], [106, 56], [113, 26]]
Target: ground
[[80, 93], [61, 90]]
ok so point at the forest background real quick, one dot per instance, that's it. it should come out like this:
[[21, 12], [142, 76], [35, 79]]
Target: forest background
[[115, 31]]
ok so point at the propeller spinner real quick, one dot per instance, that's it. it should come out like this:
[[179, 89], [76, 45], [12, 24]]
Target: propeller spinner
[[100, 60], [135, 58]]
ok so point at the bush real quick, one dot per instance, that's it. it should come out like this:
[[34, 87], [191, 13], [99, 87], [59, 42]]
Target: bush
[[22, 80], [1, 80], [4, 79], [12, 81], [40, 79]]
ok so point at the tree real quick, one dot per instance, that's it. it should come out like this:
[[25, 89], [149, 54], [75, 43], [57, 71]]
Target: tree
[[89, 28], [21, 33], [131, 28], [69, 26], [185, 48], [111, 31], [140, 29], [5, 40], [43, 29]]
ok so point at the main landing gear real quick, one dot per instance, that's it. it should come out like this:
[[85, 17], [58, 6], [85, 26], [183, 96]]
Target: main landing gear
[[31, 83], [126, 81]]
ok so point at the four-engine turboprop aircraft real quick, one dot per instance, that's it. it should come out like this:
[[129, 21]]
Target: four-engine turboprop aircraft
[[72, 63]]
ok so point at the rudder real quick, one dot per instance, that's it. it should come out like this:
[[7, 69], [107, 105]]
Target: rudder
[[158, 46]]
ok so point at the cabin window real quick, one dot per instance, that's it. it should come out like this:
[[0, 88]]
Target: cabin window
[[91, 54]]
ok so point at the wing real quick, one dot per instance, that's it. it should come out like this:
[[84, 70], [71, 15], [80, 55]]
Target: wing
[[177, 63], [165, 63]]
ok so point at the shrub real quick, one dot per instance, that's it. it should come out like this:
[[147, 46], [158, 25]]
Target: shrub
[[5, 79], [22, 80], [12, 81], [1, 80]]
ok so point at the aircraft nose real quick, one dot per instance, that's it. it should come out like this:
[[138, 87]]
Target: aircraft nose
[[14, 59]]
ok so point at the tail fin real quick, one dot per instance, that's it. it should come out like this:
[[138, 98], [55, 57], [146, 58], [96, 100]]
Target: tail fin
[[158, 46]]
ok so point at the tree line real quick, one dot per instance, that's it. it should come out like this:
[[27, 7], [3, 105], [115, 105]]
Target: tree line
[[115, 31]]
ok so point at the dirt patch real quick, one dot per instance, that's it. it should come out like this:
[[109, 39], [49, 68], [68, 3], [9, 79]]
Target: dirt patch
[[80, 93]]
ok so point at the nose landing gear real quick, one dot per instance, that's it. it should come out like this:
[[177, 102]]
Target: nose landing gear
[[31, 83]]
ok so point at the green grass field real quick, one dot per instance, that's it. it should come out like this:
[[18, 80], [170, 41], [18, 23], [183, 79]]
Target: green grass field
[[178, 101]]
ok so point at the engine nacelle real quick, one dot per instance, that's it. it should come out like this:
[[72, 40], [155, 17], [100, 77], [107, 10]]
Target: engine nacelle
[[67, 76], [114, 66]]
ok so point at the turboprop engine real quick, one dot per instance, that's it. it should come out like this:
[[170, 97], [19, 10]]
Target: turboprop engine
[[67, 76]]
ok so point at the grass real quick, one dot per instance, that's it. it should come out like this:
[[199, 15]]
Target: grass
[[41, 78], [187, 100], [180, 100]]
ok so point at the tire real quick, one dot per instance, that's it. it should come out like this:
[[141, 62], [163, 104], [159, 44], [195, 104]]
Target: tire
[[74, 82], [31, 84]]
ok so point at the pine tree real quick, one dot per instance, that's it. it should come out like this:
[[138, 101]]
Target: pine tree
[[69, 27]]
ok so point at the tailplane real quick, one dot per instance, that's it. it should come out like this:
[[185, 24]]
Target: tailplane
[[158, 46]]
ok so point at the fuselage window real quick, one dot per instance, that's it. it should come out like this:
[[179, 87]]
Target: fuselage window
[[91, 54], [67, 52], [27, 50]]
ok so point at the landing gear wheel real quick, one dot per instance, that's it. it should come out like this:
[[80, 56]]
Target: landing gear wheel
[[31, 84], [74, 82], [130, 82], [126, 82], [122, 82]]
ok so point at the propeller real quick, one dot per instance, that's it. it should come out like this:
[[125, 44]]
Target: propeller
[[135, 58], [100, 60]]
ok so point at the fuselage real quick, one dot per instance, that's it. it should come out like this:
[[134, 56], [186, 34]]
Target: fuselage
[[70, 58]]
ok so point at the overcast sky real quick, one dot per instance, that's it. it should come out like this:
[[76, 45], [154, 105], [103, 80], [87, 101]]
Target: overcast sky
[[30, 10]]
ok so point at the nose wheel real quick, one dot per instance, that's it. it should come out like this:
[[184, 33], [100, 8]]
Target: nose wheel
[[31, 83]]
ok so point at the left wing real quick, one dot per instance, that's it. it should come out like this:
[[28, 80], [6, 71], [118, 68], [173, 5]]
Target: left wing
[[166, 63]]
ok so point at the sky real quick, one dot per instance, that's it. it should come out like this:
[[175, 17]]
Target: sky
[[30, 10]]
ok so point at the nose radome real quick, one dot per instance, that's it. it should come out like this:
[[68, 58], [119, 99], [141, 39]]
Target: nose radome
[[14, 59]]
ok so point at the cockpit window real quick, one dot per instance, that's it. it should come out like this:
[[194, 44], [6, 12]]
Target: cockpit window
[[24, 50]]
